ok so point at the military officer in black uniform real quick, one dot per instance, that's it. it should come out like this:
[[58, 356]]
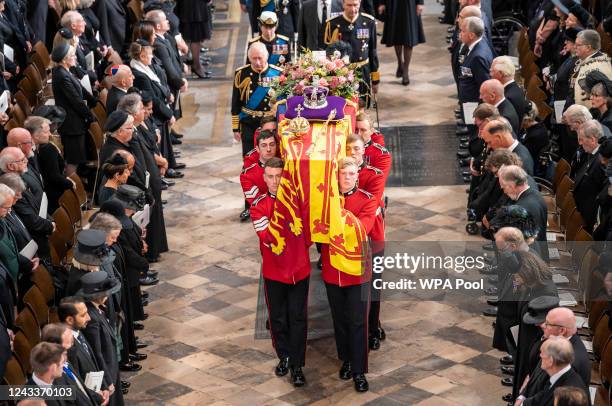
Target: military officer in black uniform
[[251, 99], [278, 46], [359, 30]]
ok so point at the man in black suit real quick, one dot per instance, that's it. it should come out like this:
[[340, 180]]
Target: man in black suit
[[311, 22], [515, 183], [47, 361], [12, 160], [113, 23], [590, 177], [492, 92], [122, 79], [72, 311], [503, 70], [58, 333], [497, 133], [556, 355], [474, 69], [22, 139], [167, 54]]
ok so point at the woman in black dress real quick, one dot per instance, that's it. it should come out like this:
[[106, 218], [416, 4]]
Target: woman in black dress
[[403, 30], [195, 19]]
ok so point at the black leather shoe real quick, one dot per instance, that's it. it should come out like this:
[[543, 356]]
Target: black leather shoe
[[373, 343], [381, 334], [464, 139], [145, 302], [176, 141], [145, 295], [148, 281], [153, 260], [464, 162], [463, 130], [179, 166], [138, 357], [493, 301], [508, 370], [152, 274], [125, 384], [125, 391], [174, 174], [464, 145], [145, 316], [345, 371], [282, 368], [361, 384], [164, 186], [463, 154], [177, 135], [507, 381], [168, 182], [140, 345], [297, 377], [460, 122], [245, 215], [138, 326], [507, 397], [490, 312], [490, 291], [130, 367], [506, 360]]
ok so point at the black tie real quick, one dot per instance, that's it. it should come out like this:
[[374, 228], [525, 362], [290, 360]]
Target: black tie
[[83, 344], [324, 11]]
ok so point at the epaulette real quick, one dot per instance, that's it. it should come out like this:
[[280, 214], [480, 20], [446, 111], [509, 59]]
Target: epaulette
[[259, 198], [278, 68], [242, 67], [282, 37], [245, 170], [380, 147], [375, 169], [333, 18], [257, 38], [368, 194], [367, 16]]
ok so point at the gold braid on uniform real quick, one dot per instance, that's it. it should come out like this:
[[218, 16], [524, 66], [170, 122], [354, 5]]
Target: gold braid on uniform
[[244, 87], [330, 38]]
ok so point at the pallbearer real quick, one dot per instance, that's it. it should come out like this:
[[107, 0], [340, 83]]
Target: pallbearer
[[286, 289], [348, 294]]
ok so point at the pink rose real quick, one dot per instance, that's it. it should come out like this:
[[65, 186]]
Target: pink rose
[[341, 80], [302, 83], [310, 69], [298, 89], [350, 77], [339, 63], [323, 82], [282, 79], [330, 66], [335, 81]]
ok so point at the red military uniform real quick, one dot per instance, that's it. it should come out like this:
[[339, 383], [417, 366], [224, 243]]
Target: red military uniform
[[251, 157], [286, 289], [261, 212], [372, 180], [378, 138], [378, 156], [252, 181], [363, 205]]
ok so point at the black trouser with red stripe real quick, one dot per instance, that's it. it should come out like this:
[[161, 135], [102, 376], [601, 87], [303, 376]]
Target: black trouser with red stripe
[[374, 315], [287, 308], [350, 316]]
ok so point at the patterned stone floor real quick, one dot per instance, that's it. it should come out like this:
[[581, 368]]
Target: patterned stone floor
[[200, 331]]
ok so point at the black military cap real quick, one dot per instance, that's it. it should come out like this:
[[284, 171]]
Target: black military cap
[[581, 14], [538, 308], [59, 52], [594, 77], [91, 247], [115, 120], [133, 197]]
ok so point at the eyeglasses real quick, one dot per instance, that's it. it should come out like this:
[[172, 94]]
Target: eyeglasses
[[23, 160], [25, 143], [547, 324]]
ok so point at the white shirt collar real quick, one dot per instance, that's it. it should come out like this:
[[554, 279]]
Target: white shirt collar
[[500, 102], [474, 44], [513, 146], [595, 150], [75, 334], [554, 378], [519, 195], [39, 381], [508, 82]]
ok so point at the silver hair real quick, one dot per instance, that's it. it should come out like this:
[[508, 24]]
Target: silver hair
[[129, 103], [577, 113], [13, 181], [5, 193], [6, 159], [69, 18], [257, 46], [591, 129], [560, 350], [504, 65], [474, 25], [590, 38], [513, 174]]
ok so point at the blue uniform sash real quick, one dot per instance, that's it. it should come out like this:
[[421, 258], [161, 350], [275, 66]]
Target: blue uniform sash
[[258, 95], [270, 6]]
